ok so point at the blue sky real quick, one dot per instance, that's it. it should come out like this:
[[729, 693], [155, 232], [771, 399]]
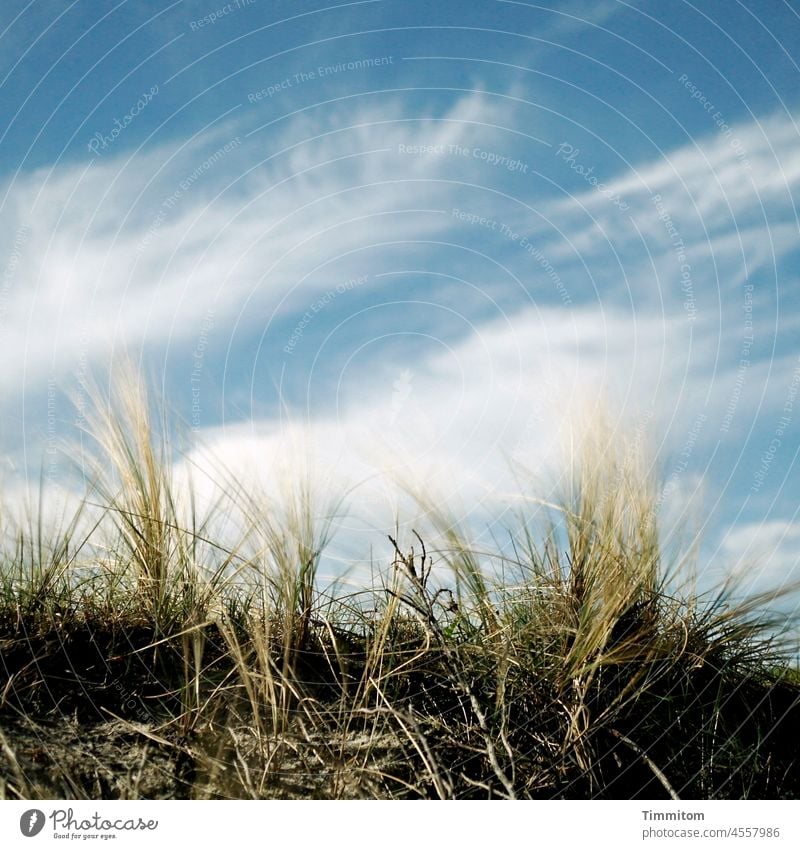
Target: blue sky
[[417, 239]]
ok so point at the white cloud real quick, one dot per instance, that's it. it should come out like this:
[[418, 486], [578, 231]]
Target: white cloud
[[127, 251], [720, 208], [763, 555], [459, 425], [257, 233], [278, 218]]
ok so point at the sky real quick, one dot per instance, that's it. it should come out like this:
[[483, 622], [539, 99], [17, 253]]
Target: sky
[[400, 241]]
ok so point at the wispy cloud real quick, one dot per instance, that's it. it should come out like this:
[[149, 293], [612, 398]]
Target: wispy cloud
[[122, 251], [135, 252], [762, 555]]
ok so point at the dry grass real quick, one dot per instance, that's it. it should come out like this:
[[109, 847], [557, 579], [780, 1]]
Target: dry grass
[[208, 668]]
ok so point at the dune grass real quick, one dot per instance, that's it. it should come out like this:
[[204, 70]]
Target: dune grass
[[143, 656]]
